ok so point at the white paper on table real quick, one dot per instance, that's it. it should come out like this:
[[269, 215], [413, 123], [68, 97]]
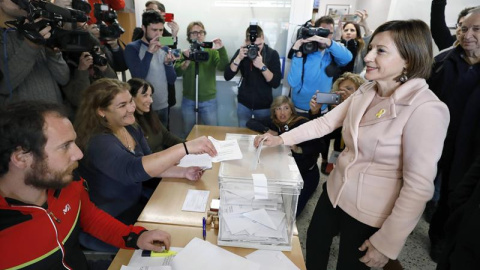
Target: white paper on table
[[260, 187], [261, 216], [137, 261], [271, 260], [199, 254], [203, 161], [196, 200], [226, 150]]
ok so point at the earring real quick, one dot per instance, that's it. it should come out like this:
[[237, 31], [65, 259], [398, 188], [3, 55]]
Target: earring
[[404, 76]]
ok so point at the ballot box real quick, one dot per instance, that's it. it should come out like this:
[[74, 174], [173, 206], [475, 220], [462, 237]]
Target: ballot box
[[258, 197]]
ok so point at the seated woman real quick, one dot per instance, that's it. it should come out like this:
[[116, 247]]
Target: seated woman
[[117, 157], [284, 118], [345, 85], [158, 137]]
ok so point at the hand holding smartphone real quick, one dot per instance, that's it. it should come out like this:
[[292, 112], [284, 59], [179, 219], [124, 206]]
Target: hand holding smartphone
[[328, 98], [169, 17], [166, 41], [349, 18]]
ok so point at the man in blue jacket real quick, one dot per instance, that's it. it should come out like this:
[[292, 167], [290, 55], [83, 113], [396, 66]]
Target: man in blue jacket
[[319, 68]]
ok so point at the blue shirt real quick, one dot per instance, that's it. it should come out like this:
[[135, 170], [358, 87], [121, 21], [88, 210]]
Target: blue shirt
[[314, 77], [114, 174]]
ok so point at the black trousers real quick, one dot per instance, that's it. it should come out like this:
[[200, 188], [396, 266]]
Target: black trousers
[[328, 222], [311, 178]]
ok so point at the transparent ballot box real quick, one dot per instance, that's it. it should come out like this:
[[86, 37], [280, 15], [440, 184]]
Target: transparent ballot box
[[258, 197]]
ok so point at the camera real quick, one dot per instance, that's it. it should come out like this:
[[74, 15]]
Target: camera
[[82, 6], [112, 31], [55, 16], [252, 48], [197, 53], [98, 58], [308, 31], [107, 22]]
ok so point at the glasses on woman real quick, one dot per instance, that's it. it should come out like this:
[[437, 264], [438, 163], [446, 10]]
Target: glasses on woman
[[198, 33]]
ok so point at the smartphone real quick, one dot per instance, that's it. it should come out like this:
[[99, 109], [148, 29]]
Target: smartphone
[[166, 41], [349, 18], [207, 44], [328, 98], [169, 17]]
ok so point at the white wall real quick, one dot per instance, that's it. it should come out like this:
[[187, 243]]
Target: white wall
[[383, 10]]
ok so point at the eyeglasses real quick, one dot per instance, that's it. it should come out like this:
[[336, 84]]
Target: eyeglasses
[[475, 29], [458, 25], [198, 33]]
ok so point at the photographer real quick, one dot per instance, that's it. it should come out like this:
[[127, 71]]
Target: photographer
[[85, 68], [212, 59], [146, 60], [32, 71], [316, 70], [306, 77], [261, 72], [111, 47]]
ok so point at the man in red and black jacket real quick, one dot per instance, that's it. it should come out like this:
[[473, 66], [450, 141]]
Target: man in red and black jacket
[[43, 204]]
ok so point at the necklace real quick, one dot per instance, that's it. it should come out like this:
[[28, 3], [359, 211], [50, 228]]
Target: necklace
[[126, 140]]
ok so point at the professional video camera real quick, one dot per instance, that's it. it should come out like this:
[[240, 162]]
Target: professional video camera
[[55, 16], [309, 31], [107, 22], [197, 53], [252, 48]]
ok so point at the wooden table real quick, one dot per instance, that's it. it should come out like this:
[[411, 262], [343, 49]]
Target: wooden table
[[181, 236], [165, 205], [164, 209]]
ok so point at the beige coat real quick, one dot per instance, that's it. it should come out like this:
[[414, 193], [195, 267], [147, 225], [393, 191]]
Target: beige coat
[[384, 176]]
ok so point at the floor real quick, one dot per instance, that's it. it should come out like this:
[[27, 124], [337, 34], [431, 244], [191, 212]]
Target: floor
[[414, 255]]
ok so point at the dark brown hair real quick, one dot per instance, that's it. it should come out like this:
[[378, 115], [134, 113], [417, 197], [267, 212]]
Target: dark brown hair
[[98, 95], [414, 44], [140, 86]]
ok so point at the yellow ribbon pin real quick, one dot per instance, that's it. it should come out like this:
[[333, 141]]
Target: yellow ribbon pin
[[380, 113]]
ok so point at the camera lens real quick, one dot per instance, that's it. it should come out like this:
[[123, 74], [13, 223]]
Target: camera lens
[[252, 51]]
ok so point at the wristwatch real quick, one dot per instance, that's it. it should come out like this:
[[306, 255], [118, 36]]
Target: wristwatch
[[263, 68]]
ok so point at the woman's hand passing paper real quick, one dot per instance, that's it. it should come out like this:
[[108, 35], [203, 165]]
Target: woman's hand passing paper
[[268, 140], [201, 145]]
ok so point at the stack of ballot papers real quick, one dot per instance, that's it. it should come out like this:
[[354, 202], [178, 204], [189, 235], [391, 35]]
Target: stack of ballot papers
[[245, 218], [200, 254], [226, 150]]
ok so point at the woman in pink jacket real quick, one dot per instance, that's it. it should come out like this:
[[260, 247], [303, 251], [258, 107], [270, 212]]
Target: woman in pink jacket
[[393, 128]]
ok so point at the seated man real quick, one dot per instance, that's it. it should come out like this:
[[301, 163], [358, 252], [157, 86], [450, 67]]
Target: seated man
[[42, 204]]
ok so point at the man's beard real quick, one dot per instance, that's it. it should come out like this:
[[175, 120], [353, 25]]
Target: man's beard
[[43, 178], [148, 38]]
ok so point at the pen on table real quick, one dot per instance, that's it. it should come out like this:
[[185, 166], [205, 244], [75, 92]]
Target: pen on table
[[204, 228]]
